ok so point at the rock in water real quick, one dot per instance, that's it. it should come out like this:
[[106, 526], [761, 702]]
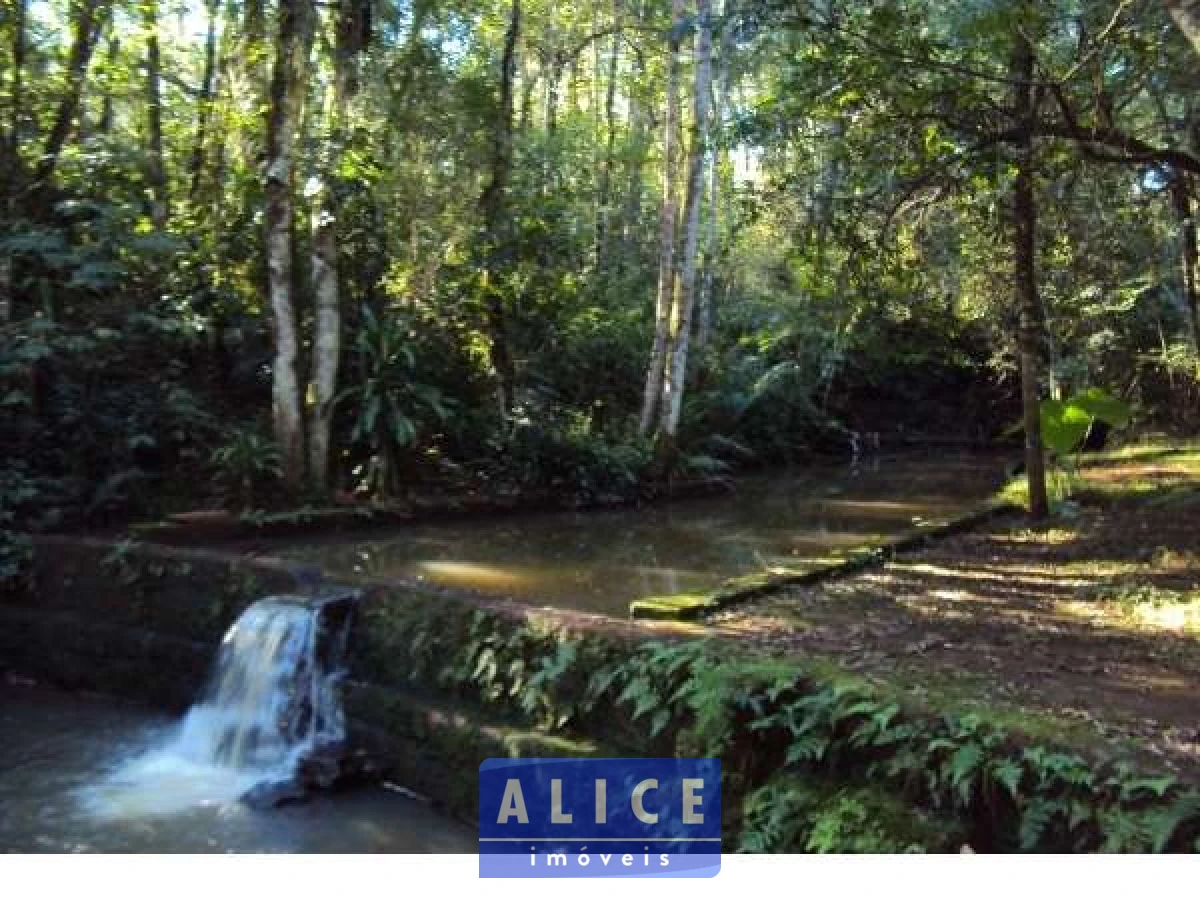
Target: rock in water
[[323, 766], [272, 793]]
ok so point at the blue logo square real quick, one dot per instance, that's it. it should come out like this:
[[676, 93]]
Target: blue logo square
[[599, 817]]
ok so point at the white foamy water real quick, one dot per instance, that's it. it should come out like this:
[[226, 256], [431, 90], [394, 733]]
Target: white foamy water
[[161, 783], [270, 699]]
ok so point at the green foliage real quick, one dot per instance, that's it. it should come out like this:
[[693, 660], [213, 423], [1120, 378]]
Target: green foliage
[[793, 813], [246, 465], [855, 284], [567, 458], [1065, 423], [964, 777], [391, 404], [97, 434]]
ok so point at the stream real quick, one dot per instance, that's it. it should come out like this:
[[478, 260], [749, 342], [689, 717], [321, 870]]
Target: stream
[[600, 560], [86, 774]]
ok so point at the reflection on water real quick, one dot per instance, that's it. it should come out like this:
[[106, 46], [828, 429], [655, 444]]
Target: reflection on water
[[599, 561], [67, 784]]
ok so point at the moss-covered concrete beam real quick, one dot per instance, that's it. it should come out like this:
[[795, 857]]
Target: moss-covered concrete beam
[[693, 606]]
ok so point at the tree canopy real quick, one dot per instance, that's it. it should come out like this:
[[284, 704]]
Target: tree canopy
[[358, 245]]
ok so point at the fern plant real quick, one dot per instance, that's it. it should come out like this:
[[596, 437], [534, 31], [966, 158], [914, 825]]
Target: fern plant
[[246, 464], [390, 400]]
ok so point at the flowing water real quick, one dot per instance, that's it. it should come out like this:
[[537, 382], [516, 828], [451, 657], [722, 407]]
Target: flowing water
[[81, 775], [271, 701], [599, 561], [85, 774]]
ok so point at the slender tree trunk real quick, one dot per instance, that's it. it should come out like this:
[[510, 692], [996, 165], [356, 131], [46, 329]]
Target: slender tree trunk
[[528, 82], [204, 106], [88, 17], [675, 369], [1031, 326], [154, 112], [704, 302], [6, 291], [255, 65], [629, 223], [288, 84], [1181, 202], [15, 93], [412, 51], [254, 25], [704, 309], [327, 336], [553, 86], [666, 229], [106, 103], [604, 191], [493, 204], [327, 340], [823, 204]]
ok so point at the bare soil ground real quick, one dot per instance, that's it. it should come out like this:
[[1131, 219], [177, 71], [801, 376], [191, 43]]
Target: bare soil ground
[[1086, 629]]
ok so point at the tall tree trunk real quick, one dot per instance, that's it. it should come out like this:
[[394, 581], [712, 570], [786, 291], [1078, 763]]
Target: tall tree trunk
[[675, 369], [635, 179], [825, 195], [6, 291], [554, 78], [529, 80], [255, 64], [629, 223], [288, 83], [15, 92], [493, 203], [1031, 326], [1186, 14], [154, 112], [327, 335], [327, 340], [88, 17], [666, 229], [414, 47], [704, 304], [106, 102], [1181, 202], [604, 190], [204, 106]]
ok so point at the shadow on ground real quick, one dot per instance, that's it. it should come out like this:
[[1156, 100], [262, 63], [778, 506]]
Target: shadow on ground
[[1088, 629]]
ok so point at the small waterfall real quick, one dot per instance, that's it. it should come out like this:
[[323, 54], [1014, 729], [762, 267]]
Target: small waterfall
[[268, 723], [271, 697]]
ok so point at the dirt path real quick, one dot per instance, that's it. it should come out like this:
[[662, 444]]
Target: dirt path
[[1089, 629]]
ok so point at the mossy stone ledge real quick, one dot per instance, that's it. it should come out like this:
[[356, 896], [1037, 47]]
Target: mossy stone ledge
[[696, 606]]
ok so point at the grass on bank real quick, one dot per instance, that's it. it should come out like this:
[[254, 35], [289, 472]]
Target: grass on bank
[[1154, 468]]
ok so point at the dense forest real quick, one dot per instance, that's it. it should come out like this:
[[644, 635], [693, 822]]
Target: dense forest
[[258, 252], [905, 294]]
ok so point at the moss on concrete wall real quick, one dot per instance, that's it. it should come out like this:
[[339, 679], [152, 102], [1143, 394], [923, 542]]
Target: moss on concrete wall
[[441, 681]]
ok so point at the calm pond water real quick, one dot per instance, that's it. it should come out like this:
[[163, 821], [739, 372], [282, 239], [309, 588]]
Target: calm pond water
[[600, 560], [65, 786]]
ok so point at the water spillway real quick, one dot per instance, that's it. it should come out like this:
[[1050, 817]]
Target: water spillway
[[268, 725], [272, 696]]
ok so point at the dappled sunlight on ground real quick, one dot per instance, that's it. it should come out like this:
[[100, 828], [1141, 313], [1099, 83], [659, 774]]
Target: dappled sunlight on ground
[[1095, 620]]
